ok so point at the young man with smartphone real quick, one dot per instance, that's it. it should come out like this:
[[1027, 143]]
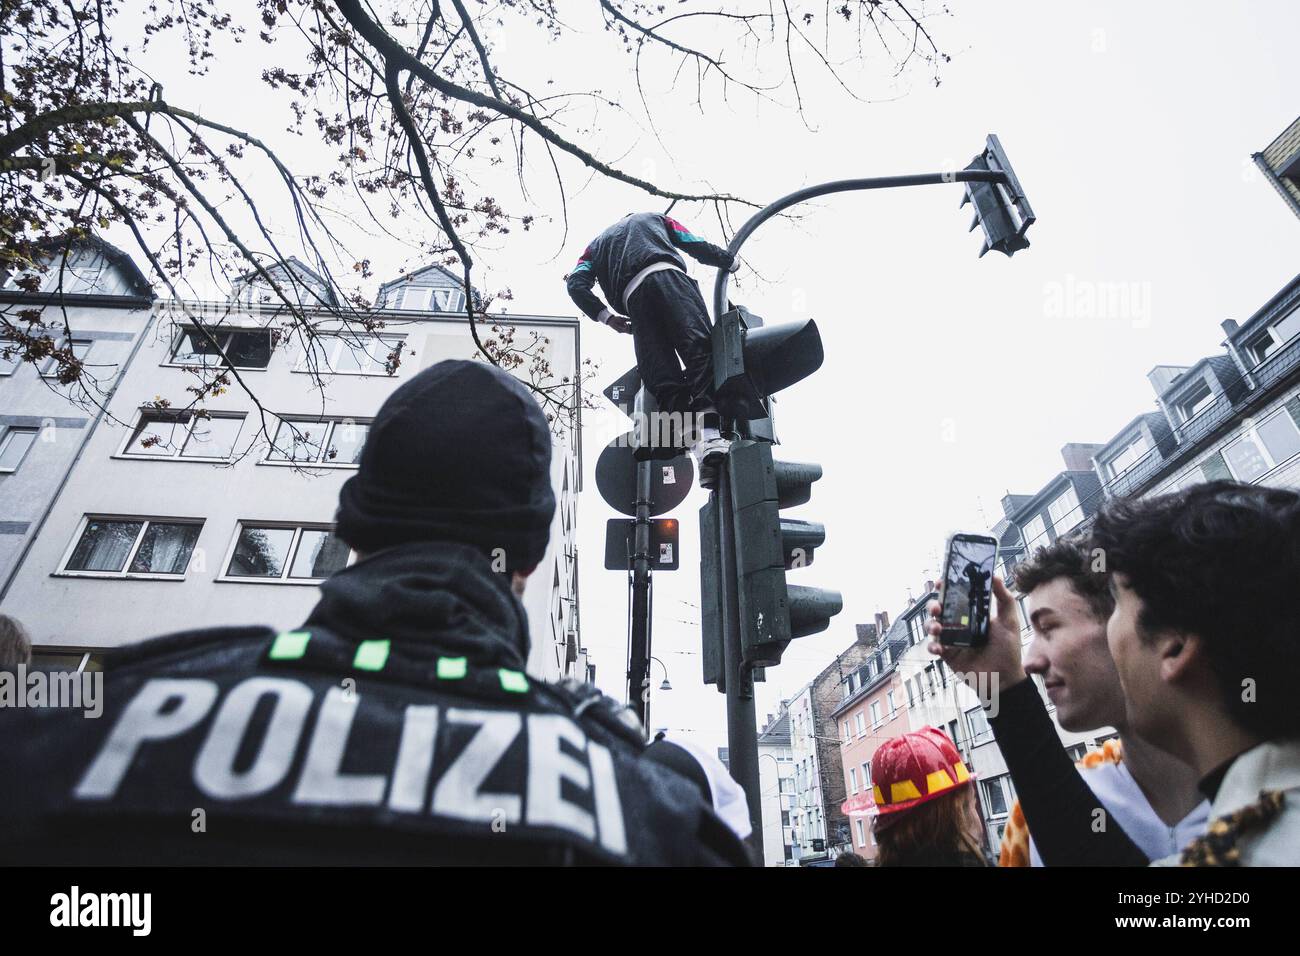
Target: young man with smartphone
[[1070, 823], [1151, 794]]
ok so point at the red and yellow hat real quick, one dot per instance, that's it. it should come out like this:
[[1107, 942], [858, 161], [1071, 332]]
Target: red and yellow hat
[[913, 768]]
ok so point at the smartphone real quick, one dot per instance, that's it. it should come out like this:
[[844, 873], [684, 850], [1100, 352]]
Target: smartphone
[[967, 589]]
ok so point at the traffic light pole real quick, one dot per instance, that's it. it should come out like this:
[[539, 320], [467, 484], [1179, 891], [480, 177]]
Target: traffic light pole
[[638, 666], [742, 734], [840, 186], [742, 729]]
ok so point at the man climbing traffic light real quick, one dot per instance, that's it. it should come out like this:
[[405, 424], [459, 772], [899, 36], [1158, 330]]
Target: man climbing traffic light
[[650, 295]]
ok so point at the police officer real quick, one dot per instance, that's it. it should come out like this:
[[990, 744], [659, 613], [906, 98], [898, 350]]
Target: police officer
[[397, 724]]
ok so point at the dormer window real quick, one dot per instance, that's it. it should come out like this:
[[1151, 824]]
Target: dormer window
[[1065, 511], [1266, 342], [1135, 449], [1195, 401]]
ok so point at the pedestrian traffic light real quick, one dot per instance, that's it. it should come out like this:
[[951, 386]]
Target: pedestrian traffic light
[[752, 361], [711, 650], [773, 612], [1000, 207]]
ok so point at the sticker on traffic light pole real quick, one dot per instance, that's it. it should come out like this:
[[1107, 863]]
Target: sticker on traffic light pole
[[620, 542], [670, 481]]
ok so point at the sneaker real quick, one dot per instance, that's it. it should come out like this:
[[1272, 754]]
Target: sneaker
[[709, 454]]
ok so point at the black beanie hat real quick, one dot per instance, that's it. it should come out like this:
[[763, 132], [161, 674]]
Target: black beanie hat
[[461, 452]]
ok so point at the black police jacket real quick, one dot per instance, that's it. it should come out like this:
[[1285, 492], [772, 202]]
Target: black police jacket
[[395, 726]]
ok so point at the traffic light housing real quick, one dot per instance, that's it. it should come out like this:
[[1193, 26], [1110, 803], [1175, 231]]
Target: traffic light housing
[[752, 361], [773, 612], [1001, 208]]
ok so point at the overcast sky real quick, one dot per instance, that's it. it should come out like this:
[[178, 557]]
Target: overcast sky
[[949, 380]]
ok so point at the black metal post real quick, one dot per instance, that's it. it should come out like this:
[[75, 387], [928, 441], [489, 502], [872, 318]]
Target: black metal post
[[839, 186], [742, 728], [638, 671]]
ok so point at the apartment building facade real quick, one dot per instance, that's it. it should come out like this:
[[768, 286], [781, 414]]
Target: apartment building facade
[[168, 520], [872, 710], [776, 782], [820, 825], [44, 423]]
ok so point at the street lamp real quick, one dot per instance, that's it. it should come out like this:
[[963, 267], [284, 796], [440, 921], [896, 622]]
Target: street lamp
[[665, 685]]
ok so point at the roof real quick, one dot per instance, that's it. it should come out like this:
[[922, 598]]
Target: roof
[[1152, 419], [297, 265], [110, 252], [1035, 504], [1281, 301]]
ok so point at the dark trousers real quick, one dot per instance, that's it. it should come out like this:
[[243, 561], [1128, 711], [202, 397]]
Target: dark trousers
[[669, 319]]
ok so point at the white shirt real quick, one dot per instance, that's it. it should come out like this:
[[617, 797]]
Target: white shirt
[[1120, 794]]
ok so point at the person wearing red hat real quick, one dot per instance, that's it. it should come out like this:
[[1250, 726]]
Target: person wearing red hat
[[926, 802]]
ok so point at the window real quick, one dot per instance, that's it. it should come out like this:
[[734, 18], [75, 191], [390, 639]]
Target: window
[[853, 779], [866, 775], [1077, 751], [893, 707], [978, 722], [52, 660], [875, 715], [1195, 401], [1131, 452], [294, 554], [916, 628], [167, 434], [995, 796], [14, 445], [861, 723], [332, 441], [911, 698], [80, 349], [349, 354], [1065, 511], [131, 547], [862, 833], [1261, 448], [1033, 532], [847, 733], [1271, 339], [246, 348], [442, 300]]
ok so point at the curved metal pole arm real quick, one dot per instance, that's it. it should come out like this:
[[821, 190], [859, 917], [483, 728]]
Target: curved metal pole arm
[[839, 186]]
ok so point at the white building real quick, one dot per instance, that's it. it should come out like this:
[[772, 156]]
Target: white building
[[166, 520], [776, 786], [808, 815]]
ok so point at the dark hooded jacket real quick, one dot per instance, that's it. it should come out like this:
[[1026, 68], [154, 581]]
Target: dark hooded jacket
[[615, 257], [395, 726]]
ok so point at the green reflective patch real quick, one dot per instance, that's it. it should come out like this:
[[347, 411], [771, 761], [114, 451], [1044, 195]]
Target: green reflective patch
[[452, 668], [290, 645], [371, 656], [513, 681]]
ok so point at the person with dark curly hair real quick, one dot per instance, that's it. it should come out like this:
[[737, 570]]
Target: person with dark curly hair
[[1204, 637]]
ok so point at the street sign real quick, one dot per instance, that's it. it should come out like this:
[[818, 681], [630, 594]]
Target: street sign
[[622, 391], [665, 551], [670, 481]]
